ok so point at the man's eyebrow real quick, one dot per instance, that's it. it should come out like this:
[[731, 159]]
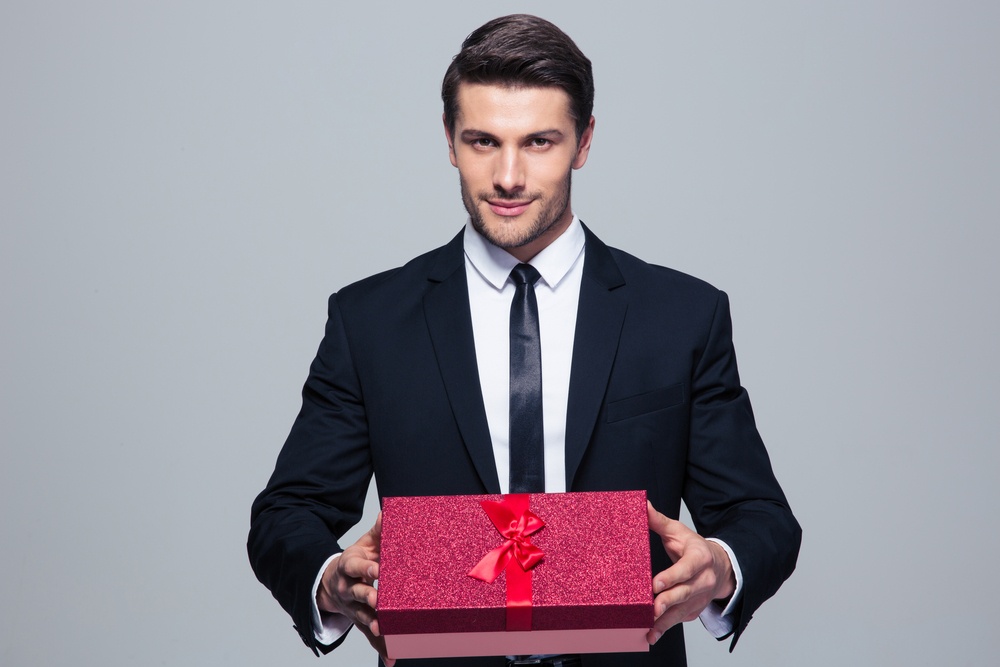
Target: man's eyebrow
[[473, 134], [546, 134]]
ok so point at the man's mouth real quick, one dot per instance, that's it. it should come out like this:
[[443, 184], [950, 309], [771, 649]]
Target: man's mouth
[[508, 209]]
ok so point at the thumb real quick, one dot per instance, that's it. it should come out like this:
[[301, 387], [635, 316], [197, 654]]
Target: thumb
[[372, 540], [376, 531], [372, 544], [658, 523], [669, 530]]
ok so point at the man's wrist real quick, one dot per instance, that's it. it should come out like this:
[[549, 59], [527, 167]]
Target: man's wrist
[[730, 602], [724, 571], [328, 626]]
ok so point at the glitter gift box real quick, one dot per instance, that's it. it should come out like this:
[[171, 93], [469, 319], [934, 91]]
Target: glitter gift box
[[520, 574]]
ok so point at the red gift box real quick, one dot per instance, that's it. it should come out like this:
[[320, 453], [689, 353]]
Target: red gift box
[[521, 574]]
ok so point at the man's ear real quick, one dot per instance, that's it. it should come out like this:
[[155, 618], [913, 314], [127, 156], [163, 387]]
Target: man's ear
[[583, 146], [451, 142]]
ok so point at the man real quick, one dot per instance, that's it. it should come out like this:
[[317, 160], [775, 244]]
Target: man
[[526, 354]]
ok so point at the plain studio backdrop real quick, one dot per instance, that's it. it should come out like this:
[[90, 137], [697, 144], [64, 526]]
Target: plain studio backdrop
[[183, 184]]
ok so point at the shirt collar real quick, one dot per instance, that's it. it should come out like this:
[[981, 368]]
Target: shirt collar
[[553, 262]]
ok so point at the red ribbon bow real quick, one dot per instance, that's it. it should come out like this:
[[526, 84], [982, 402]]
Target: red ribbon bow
[[517, 555]]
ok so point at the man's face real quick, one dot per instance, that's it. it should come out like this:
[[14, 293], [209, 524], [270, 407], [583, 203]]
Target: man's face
[[515, 149]]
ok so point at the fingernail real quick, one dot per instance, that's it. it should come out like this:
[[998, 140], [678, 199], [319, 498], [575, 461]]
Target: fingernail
[[656, 637], [657, 586]]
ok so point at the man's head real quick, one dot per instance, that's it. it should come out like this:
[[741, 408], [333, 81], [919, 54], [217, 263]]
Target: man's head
[[518, 99], [517, 51]]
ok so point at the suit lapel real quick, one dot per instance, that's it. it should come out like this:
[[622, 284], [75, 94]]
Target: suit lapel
[[449, 320], [603, 302]]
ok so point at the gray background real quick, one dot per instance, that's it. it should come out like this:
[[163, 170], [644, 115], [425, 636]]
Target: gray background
[[183, 185]]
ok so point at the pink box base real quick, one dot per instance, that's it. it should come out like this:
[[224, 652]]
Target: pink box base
[[535, 642]]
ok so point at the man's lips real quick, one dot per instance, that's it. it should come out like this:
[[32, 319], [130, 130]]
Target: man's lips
[[508, 208]]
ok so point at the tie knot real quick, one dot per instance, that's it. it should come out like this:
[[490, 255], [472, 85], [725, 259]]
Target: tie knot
[[524, 274]]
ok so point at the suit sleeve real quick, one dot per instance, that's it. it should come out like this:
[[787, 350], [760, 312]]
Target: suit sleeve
[[320, 480], [730, 488]]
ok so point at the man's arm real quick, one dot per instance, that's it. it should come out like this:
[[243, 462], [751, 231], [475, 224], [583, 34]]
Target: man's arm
[[729, 487], [318, 487]]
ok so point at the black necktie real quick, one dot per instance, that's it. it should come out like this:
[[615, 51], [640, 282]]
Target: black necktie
[[527, 449]]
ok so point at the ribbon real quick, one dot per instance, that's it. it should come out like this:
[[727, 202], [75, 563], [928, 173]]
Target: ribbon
[[517, 555]]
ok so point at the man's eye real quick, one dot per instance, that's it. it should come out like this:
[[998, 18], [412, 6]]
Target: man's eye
[[482, 142], [539, 142]]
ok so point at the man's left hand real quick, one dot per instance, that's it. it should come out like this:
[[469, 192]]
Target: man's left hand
[[701, 573]]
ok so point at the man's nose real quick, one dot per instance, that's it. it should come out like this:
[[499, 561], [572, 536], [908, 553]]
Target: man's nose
[[508, 173]]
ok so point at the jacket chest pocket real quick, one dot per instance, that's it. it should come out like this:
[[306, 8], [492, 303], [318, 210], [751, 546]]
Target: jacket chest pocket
[[645, 403]]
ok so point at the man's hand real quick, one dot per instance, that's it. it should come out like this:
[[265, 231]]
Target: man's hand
[[701, 573], [348, 587]]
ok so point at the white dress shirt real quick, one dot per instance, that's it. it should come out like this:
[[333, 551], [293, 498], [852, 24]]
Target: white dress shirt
[[491, 291], [487, 270]]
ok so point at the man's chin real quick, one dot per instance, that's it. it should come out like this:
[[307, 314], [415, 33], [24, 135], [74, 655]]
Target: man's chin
[[508, 239], [505, 232]]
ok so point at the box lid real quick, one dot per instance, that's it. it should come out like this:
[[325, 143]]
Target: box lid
[[595, 572]]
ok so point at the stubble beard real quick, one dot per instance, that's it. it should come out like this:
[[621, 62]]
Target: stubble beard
[[514, 234]]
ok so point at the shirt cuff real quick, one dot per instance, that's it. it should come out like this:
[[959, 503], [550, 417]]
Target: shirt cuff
[[328, 627], [715, 618]]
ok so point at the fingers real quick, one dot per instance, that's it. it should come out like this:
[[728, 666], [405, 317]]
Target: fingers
[[361, 593], [360, 560], [678, 609], [357, 571], [684, 589], [377, 642], [692, 565], [348, 584], [354, 581], [354, 599], [362, 615], [680, 601], [355, 565]]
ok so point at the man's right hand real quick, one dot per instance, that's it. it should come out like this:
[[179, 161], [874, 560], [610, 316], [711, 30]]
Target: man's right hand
[[347, 587]]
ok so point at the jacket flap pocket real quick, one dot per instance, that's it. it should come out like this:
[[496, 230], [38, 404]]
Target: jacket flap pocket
[[651, 401]]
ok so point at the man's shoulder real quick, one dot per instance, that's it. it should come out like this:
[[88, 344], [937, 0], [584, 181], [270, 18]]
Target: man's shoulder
[[662, 298], [640, 268], [410, 280], [642, 276], [417, 267]]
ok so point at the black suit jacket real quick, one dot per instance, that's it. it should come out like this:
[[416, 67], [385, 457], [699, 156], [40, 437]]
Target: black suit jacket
[[655, 403]]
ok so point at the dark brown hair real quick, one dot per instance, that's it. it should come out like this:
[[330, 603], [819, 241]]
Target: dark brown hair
[[521, 50]]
